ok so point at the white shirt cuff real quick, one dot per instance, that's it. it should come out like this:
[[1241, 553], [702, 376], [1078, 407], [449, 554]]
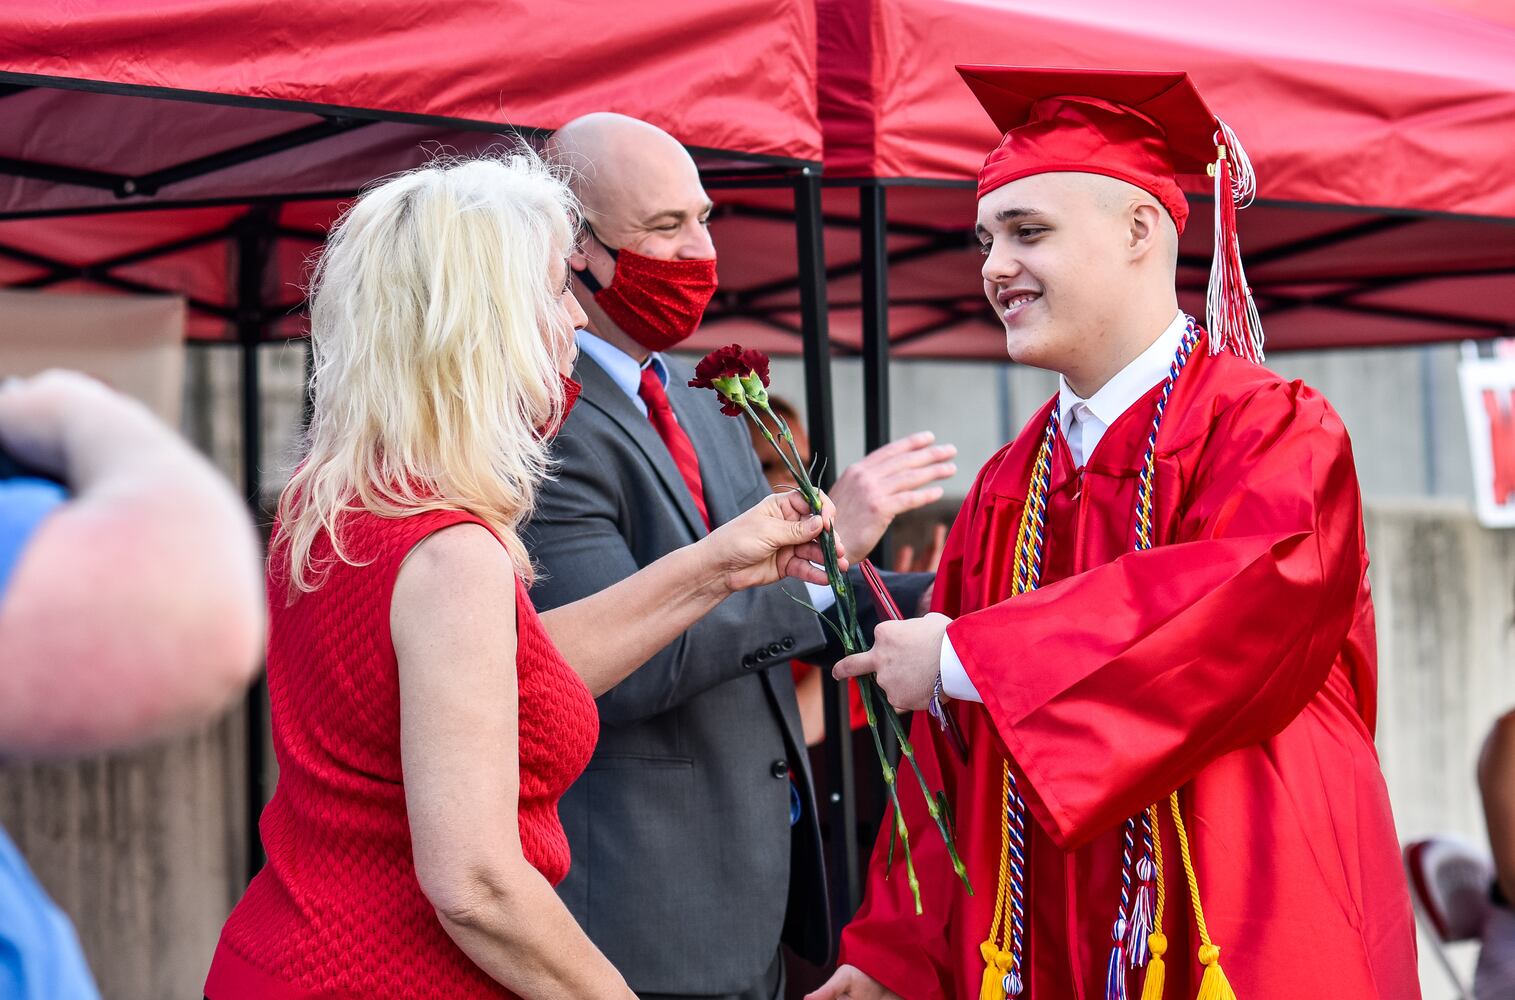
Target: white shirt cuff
[[821, 597], [955, 680]]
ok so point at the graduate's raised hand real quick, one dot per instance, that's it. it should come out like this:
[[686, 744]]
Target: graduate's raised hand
[[852, 983], [906, 658]]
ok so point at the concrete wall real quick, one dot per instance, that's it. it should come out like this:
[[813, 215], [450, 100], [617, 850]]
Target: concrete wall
[[145, 851], [1443, 591]]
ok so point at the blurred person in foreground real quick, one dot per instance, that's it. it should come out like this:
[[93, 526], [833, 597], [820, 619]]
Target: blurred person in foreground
[[130, 610], [426, 719], [696, 841]]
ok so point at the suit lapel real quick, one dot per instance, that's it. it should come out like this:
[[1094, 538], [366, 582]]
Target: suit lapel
[[699, 414], [601, 392]]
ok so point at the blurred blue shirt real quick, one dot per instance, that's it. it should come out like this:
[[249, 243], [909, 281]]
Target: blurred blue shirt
[[40, 957], [23, 504]]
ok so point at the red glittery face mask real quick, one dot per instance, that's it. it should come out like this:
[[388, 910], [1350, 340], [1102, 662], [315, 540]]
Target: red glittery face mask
[[658, 303], [571, 390]]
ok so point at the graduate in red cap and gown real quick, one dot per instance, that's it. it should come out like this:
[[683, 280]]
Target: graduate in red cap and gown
[[1153, 624]]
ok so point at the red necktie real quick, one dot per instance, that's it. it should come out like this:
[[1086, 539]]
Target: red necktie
[[679, 445]]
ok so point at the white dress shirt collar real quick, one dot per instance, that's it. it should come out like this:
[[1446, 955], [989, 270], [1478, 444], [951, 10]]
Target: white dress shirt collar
[[624, 370], [1084, 421]]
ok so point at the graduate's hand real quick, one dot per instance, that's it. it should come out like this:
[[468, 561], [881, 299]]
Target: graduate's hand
[[851, 983], [906, 657]]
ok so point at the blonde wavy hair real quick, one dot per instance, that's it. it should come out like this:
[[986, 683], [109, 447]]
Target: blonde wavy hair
[[436, 331]]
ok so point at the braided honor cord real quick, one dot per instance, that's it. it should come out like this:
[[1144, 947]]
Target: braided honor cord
[[1003, 950], [1133, 926]]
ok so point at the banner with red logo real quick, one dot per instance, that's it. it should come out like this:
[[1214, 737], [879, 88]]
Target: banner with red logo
[[1488, 397]]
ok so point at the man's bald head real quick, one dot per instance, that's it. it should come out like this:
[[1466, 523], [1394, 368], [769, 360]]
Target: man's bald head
[[631, 177]]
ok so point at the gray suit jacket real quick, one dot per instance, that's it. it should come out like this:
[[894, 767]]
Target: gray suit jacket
[[686, 871]]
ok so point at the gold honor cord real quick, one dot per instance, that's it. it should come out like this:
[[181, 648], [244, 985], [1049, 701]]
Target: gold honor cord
[[1002, 951]]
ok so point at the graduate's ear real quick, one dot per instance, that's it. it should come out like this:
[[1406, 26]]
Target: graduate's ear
[[1145, 223]]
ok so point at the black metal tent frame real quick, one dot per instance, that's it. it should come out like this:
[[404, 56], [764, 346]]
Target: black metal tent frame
[[253, 236]]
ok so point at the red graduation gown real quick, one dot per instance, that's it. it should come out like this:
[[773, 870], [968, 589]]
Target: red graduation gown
[[1235, 661]]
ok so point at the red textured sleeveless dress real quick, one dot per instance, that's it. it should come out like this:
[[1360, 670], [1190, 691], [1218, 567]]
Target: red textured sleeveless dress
[[338, 911]]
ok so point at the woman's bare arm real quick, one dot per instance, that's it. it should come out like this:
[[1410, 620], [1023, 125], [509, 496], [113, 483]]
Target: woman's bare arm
[[454, 632]]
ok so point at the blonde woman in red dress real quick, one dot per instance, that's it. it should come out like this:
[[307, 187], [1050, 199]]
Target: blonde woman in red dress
[[426, 719]]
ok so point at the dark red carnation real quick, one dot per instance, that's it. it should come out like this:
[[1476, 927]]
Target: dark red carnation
[[724, 362], [723, 370], [757, 363]]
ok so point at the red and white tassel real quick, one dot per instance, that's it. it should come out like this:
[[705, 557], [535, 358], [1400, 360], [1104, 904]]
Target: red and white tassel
[[1115, 974], [1230, 314], [1141, 926]]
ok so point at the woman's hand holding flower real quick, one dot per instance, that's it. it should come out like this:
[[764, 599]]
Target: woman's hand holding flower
[[776, 538]]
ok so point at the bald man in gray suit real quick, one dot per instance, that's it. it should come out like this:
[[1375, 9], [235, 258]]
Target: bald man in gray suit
[[696, 845]]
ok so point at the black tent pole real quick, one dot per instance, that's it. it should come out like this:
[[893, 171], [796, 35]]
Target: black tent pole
[[873, 237], [873, 233], [841, 807], [252, 254]]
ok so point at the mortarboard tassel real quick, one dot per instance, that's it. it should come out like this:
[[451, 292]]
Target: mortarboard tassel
[[1157, 941], [1230, 313], [1141, 927]]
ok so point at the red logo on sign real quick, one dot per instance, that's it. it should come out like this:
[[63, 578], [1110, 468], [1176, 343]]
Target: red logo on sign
[[1502, 441]]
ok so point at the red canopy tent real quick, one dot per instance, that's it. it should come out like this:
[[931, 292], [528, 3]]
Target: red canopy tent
[[131, 105], [202, 149], [1380, 130]]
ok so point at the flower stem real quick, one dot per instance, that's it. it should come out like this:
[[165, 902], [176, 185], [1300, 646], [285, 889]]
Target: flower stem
[[932, 805], [854, 640], [795, 467], [869, 692]]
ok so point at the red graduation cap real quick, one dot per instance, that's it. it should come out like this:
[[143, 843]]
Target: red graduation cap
[[1148, 129]]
